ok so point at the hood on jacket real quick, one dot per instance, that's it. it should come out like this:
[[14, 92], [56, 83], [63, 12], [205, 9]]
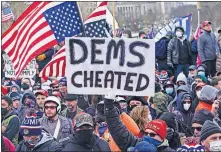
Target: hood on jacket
[[208, 93], [183, 88], [16, 86], [181, 77], [202, 67], [28, 93], [160, 101], [180, 100], [45, 137]]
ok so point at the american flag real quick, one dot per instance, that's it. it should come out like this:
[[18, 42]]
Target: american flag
[[41, 26], [56, 67], [7, 14]]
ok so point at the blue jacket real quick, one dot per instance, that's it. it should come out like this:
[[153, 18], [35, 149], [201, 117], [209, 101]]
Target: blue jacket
[[48, 53], [207, 46], [194, 46]]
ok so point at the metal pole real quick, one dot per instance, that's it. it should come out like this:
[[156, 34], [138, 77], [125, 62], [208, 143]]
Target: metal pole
[[198, 11]]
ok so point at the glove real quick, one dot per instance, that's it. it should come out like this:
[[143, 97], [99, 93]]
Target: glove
[[110, 95], [41, 57], [109, 100]]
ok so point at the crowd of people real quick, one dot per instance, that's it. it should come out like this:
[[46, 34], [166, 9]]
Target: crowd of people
[[184, 114]]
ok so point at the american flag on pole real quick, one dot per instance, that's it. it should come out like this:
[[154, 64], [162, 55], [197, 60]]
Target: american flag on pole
[[7, 14], [56, 67], [41, 26]]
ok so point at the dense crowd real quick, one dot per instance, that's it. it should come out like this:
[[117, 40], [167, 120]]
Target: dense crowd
[[184, 114]]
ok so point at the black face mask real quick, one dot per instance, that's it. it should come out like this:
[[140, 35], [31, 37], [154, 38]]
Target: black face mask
[[131, 107], [84, 136], [25, 86], [4, 111]]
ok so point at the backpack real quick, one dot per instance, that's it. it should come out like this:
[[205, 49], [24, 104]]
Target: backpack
[[161, 48]]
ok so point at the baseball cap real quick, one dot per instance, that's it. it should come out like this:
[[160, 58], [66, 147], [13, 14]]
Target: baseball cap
[[205, 23], [192, 67], [42, 92], [70, 97], [83, 119]]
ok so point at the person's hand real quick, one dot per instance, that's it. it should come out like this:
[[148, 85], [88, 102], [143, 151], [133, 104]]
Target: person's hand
[[41, 57], [3, 129], [215, 107]]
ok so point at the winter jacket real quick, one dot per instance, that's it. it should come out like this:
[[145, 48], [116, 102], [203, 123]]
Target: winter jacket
[[7, 145], [65, 111], [48, 53], [207, 46], [97, 144], [160, 102], [123, 138], [218, 63], [194, 46], [164, 147], [217, 120], [65, 128], [128, 122], [185, 116], [173, 51], [47, 143], [12, 124], [82, 102]]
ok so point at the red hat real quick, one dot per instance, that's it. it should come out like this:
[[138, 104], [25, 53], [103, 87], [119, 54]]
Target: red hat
[[205, 23], [56, 93], [42, 92], [158, 126]]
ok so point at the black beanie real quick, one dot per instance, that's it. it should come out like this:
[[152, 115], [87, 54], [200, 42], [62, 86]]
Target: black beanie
[[7, 99], [209, 128], [169, 118], [201, 116]]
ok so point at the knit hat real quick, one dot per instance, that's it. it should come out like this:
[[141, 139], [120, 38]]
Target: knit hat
[[138, 98], [30, 127], [169, 118], [201, 116], [63, 81], [15, 96], [143, 146], [158, 126], [7, 99], [209, 128], [164, 75]]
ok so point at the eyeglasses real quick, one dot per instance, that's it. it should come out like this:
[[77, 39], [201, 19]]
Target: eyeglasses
[[50, 107], [197, 128], [150, 134]]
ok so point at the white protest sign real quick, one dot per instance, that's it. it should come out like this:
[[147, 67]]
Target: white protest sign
[[95, 65], [28, 72]]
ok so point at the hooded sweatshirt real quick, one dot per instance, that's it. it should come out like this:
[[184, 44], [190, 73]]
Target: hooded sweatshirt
[[17, 87], [181, 77], [184, 115]]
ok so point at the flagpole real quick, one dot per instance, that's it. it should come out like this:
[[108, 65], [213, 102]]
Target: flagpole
[[198, 11], [113, 14]]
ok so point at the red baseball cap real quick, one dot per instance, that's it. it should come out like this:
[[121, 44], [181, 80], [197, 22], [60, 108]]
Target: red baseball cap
[[158, 126], [42, 92], [205, 23]]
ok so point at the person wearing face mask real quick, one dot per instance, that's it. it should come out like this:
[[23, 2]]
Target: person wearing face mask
[[183, 111], [55, 124], [210, 136], [179, 53], [169, 90], [72, 108], [10, 121], [83, 138], [208, 48], [207, 97], [26, 84], [192, 74], [199, 119], [155, 130], [35, 138], [133, 101]]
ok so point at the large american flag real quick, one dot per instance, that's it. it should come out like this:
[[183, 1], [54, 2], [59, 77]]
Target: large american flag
[[41, 26], [56, 67], [7, 14]]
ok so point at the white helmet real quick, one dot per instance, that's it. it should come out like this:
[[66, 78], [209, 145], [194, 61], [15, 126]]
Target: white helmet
[[55, 100]]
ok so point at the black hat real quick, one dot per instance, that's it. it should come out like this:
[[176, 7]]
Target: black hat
[[141, 32], [70, 97], [7, 99], [180, 28], [141, 99], [169, 118], [209, 128], [201, 116]]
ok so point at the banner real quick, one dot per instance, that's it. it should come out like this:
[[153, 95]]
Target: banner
[[185, 22], [28, 72], [95, 65]]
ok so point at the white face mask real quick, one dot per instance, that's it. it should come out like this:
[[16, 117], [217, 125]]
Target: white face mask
[[198, 94], [179, 34], [186, 106], [215, 146]]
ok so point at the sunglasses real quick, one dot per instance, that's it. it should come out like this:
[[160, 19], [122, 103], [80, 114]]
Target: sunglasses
[[197, 128], [55, 87], [50, 107], [150, 134]]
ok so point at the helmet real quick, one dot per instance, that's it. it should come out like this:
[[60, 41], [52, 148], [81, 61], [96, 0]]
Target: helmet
[[55, 100]]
